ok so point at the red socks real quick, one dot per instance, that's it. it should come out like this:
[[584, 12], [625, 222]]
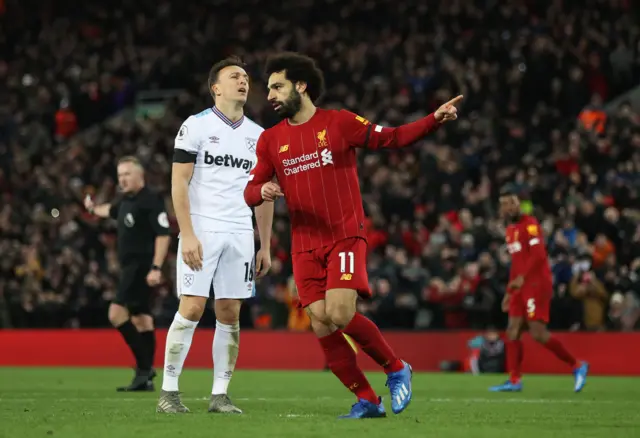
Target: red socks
[[341, 360], [556, 347], [515, 354], [368, 335]]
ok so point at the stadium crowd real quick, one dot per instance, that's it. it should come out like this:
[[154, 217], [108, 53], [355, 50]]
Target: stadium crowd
[[534, 76]]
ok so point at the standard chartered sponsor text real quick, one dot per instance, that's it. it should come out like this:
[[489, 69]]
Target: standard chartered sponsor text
[[301, 163]]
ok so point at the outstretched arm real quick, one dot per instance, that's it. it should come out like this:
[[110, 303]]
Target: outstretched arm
[[102, 210], [359, 132]]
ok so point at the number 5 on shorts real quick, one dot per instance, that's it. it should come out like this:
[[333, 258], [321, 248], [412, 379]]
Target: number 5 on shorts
[[343, 262], [531, 307]]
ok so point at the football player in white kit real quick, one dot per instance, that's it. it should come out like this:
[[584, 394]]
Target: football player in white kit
[[214, 152]]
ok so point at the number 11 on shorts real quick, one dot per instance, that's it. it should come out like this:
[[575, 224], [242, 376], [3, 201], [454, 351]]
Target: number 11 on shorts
[[344, 256]]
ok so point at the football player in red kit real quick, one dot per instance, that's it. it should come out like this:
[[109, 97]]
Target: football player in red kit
[[312, 154], [529, 294]]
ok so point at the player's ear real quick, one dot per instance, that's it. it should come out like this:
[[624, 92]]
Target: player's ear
[[301, 87]]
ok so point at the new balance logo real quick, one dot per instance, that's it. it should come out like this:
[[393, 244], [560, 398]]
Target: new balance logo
[[283, 148], [346, 277], [326, 156], [228, 161]]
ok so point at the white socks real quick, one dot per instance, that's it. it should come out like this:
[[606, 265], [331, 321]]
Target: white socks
[[175, 351], [226, 344]]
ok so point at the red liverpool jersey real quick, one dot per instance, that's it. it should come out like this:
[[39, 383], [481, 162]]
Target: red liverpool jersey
[[525, 243], [315, 164]]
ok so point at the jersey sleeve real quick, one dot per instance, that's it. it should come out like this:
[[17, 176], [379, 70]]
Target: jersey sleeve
[[537, 253], [187, 142], [261, 173], [113, 209], [359, 132], [158, 218], [532, 230]]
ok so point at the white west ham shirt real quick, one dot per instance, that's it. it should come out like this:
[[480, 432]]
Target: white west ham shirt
[[225, 154]]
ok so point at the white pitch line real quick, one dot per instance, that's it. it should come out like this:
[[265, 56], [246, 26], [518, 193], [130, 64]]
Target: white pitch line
[[496, 400], [296, 415]]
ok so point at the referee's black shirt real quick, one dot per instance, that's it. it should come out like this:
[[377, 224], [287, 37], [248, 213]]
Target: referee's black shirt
[[141, 218]]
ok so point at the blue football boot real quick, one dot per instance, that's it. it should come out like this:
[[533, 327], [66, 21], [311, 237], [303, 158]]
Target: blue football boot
[[399, 384], [580, 375], [366, 409], [507, 386]]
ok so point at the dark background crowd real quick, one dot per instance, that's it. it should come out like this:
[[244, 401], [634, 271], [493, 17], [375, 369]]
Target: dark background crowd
[[83, 83]]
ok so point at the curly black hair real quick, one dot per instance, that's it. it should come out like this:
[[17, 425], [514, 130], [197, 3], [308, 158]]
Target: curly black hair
[[298, 68]]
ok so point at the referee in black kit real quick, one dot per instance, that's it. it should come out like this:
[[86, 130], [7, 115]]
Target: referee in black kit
[[143, 242]]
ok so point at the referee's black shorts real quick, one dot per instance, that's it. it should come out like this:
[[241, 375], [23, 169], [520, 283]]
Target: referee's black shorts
[[133, 291]]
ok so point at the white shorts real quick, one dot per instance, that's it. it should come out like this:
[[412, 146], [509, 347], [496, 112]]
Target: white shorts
[[228, 264]]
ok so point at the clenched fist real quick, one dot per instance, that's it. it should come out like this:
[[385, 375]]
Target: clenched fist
[[271, 191]]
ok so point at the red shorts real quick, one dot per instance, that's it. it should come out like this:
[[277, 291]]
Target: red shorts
[[532, 303], [342, 265]]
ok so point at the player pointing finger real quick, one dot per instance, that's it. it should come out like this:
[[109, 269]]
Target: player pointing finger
[[448, 111]]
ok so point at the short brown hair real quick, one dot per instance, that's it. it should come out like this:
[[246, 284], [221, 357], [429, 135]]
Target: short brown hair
[[131, 159], [218, 66]]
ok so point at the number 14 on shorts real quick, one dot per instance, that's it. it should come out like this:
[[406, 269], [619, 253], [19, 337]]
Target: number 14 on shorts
[[347, 264]]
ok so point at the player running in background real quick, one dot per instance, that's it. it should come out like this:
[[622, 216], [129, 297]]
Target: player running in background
[[214, 153], [529, 294], [312, 153]]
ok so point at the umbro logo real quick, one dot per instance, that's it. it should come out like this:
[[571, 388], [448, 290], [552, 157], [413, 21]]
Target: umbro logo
[[214, 140]]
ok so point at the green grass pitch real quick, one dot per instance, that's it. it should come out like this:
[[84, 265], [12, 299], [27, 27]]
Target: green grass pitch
[[74, 403]]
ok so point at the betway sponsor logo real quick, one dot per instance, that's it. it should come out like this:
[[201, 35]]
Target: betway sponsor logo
[[307, 161], [228, 161]]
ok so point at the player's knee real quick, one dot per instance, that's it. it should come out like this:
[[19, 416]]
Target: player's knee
[[227, 311], [143, 322], [118, 314], [340, 314], [318, 312], [321, 328], [192, 308], [513, 332], [539, 332]]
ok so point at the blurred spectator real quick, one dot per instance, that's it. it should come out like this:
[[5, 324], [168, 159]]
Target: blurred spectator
[[586, 287], [487, 353], [624, 311]]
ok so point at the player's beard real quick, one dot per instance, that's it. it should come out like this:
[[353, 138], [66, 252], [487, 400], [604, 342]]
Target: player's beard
[[291, 106]]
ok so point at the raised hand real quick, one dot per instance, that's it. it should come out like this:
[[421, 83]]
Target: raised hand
[[448, 111]]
